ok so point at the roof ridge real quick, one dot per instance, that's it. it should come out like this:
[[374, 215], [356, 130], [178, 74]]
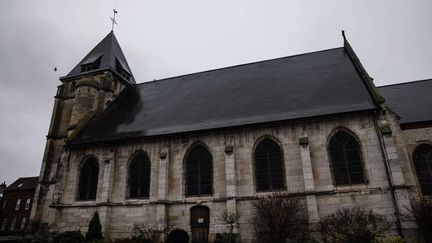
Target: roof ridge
[[111, 47], [234, 66], [404, 83]]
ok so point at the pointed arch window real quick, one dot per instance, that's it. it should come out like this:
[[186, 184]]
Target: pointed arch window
[[422, 158], [269, 166], [88, 180], [199, 172], [139, 176], [346, 160]]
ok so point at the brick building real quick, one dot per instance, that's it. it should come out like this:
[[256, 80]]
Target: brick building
[[2, 188], [17, 205], [181, 150]]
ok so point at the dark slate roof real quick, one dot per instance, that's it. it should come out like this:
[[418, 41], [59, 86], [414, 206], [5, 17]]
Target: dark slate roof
[[307, 85], [24, 183], [412, 101], [108, 49]]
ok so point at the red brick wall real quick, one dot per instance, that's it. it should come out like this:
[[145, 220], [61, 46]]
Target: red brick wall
[[10, 211]]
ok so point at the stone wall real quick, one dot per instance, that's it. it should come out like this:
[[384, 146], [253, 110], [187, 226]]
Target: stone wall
[[76, 100], [307, 172]]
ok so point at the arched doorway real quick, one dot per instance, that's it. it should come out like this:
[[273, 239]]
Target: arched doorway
[[200, 222]]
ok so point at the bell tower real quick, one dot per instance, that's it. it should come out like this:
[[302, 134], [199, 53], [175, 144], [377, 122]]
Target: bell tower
[[84, 92]]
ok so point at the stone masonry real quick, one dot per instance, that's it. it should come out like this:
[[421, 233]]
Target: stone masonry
[[307, 171]]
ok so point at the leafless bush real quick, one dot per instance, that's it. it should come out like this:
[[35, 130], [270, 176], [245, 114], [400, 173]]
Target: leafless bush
[[150, 234], [355, 225], [279, 218], [421, 210], [230, 218]]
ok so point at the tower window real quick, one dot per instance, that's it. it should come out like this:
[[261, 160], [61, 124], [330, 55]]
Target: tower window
[[121, 70], [91, 64]]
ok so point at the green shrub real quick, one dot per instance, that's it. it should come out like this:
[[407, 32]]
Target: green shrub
[[69, 237], [355, 225], [95, 229], [178, 236]]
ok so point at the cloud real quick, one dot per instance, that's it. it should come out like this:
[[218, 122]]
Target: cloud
[[167, 38]]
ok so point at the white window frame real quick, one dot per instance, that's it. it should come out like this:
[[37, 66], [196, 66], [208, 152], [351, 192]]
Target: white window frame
[[27, 206], [13, 224], [18, 203], [3, 227], [23, 222]]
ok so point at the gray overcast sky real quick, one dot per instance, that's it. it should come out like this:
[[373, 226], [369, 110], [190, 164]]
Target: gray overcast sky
[[168, 38]]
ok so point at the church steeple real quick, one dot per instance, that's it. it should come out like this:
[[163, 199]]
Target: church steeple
[[107, 55]]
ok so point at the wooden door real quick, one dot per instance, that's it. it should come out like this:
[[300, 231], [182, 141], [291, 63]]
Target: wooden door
[[200, 221]]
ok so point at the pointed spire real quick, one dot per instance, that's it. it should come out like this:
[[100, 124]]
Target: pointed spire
[[107, 55]]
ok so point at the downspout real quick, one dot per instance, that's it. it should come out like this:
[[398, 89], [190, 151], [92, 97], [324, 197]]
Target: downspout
[[389, 177]]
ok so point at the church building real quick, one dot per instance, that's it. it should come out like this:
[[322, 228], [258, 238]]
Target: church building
[[179, 151]]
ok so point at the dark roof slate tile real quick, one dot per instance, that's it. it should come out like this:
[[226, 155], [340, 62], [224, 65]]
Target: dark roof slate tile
[[306, 85], [24, 183], [108, 50], [412, 101]]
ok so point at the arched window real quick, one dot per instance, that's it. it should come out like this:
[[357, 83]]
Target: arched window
[[346, 160], [88, 180], [139, 176], [422, 159], [269, 166], [199, 172]]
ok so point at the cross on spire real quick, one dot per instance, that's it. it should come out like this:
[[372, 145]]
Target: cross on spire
[[113, 19]]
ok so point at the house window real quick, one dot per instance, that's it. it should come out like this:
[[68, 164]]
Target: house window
[[27, 206], [269, 166], [4, 204], [346, 160], [199, 172], [18, 203], [422, 158], [12, 227], [23, 223], [88, 180], [139, 176], [3, 226]]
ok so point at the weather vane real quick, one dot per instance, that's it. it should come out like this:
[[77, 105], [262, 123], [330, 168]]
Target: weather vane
[[113, 20]]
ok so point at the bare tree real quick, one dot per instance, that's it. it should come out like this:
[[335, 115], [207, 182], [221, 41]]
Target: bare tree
[[280, 218], [421, 210], [354, 225], [230, 218], [151, 234]]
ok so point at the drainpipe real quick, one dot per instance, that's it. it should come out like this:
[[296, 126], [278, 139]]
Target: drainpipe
[[389, 177]]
